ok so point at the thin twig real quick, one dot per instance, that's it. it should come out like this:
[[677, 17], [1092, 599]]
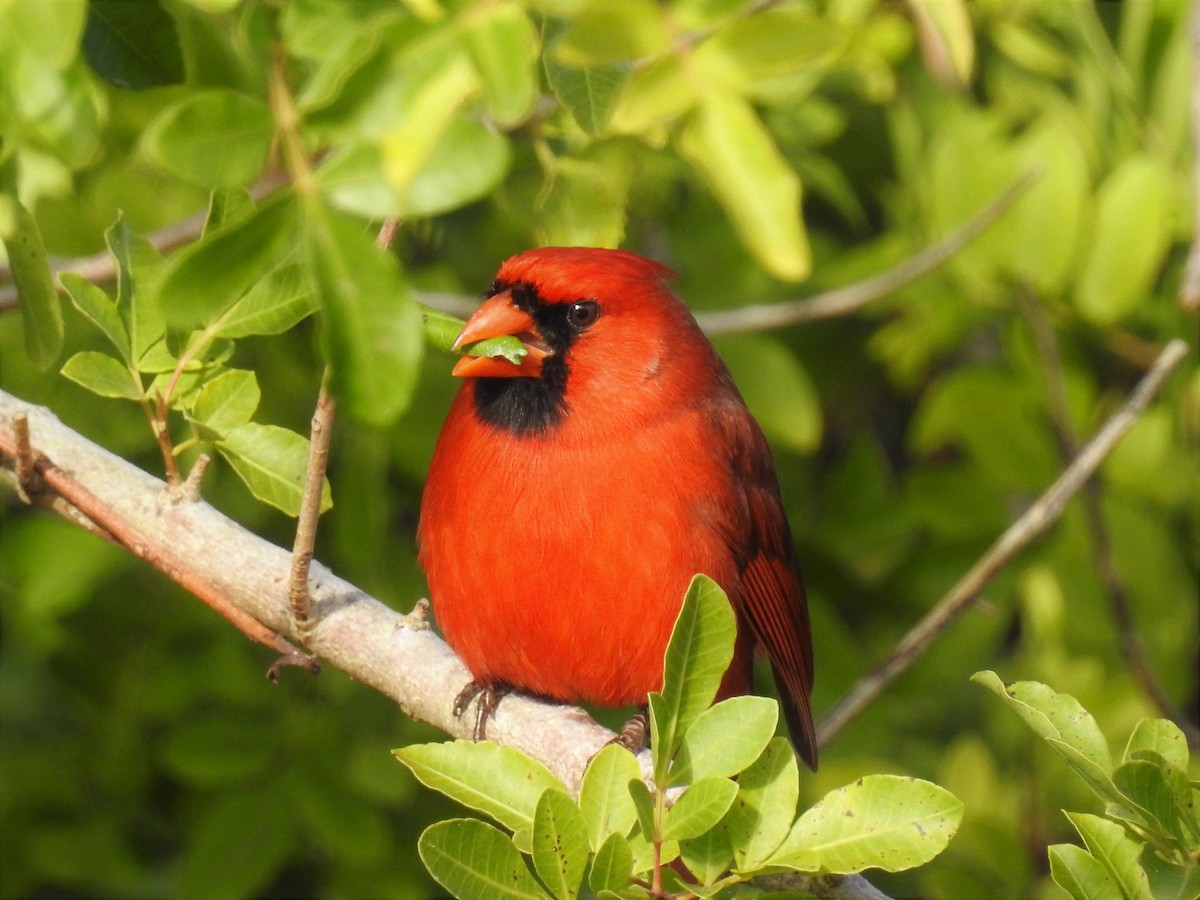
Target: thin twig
[[132, 539], [1110, 579], [310, 505], [1036, 520], [845, 300]]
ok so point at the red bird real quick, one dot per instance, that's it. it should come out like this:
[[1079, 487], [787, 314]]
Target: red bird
[[572, 497]]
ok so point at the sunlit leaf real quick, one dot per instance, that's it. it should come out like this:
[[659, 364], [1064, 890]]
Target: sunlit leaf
[[698, 653], [102, 374], [728, 145], [475, 861], [699, 809], [879, 821], [604, 793], [560, 844], [498, 781], [271, 461], [503, 43], [98, 308], [725, 739], [1116, 851], [227, 401], [1132, 234]]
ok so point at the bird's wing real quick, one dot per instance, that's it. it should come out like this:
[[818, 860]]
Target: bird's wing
[[770, 598]]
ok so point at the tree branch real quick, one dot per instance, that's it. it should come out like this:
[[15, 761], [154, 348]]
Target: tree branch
[[1036, 520], [400, 656], [397, 655], [845, 300], [1106, 566]]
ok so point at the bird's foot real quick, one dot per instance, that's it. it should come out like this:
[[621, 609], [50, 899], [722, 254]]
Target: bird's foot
[[634, 733], [489, 694]]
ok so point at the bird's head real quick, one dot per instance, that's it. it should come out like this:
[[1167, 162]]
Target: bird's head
[[599, 328]]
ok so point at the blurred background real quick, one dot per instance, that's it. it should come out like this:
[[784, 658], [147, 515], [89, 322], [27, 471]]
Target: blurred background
[[765, 151]]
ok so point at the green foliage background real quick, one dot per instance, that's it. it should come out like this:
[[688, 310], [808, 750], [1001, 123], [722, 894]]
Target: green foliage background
[[141, 751]]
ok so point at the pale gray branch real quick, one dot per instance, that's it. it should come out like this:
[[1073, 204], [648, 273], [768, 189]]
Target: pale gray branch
[[395, 654], [1036, 520]]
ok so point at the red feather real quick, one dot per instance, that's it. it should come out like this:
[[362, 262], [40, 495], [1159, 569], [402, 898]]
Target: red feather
[[565, 513]]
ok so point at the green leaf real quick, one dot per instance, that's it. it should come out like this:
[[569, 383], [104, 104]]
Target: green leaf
[[226, 208], [610, 32], [612, 866], [206, 277], [227, 402], [99, 309], [725, 739], [560, 844], [41, 313], [604, 794], [1161, 736], [133, 43], [643, 802], [1063, 723], [708, 856], [271, 461], [1160, 792], [1080, 874], [590, 93], [733, 151], [466, 164], [698, 653], [765, 808], [503, 46], [1169, 881], [272, 306], [352, 179], [700, 808], [102, 374], [1132, 235], [1047, 224], [373, 332], [1116, 851], [772, 44], [440, 329], [442, 82], [472, 859], [777, 388], [47, 32], [497, 781], [656, 94], [880, 821], [215, 139], [139, 270], [585, 203]]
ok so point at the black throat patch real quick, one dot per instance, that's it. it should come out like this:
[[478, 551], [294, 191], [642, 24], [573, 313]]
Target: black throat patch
[[530, 406]]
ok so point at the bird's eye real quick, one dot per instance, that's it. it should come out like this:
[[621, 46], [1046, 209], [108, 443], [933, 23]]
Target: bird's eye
[[581, 315]]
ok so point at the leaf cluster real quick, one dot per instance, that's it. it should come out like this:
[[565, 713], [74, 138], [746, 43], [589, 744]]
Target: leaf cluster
[[722, 810], [1147, 843]]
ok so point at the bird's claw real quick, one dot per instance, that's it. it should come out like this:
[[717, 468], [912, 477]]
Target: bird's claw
[[489, 694], [633, 734]]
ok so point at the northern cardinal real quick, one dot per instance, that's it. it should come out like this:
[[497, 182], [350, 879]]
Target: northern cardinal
[[572, 496]]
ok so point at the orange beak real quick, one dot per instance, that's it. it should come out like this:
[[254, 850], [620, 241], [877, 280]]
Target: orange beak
[[498, 317]]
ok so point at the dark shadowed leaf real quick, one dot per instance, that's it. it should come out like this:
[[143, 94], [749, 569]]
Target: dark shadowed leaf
[[133, 43]]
